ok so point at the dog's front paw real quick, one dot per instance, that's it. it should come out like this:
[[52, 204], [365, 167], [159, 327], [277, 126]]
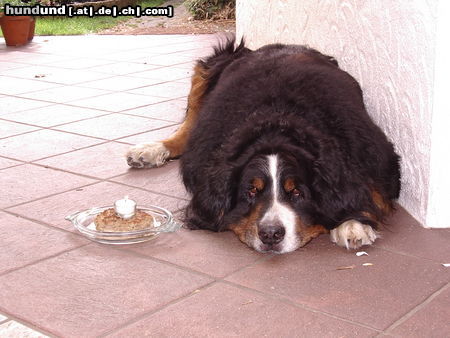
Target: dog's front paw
[[147, 155], [353, 234]]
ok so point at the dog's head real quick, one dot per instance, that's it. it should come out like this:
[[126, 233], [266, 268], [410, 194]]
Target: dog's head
[[273, 204]]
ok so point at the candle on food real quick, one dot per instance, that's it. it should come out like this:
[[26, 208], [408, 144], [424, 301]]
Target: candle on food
[[125, 208]]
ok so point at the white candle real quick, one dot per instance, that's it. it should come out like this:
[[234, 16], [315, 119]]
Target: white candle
[[125, 208]]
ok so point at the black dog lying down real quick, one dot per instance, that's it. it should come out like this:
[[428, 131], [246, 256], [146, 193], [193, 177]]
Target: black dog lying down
[[277, 146]]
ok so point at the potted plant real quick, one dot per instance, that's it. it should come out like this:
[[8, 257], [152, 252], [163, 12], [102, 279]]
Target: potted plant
[[18, 30]]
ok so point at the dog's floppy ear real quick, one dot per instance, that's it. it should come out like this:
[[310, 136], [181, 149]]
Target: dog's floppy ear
[[339, 190], [211, 200], [328, 166]]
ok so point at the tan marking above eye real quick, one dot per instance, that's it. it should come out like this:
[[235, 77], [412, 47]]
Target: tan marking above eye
[[258, 183], [289, 185]]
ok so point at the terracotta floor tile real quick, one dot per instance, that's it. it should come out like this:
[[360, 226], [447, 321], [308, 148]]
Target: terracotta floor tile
[[87, 291], [406, 235], [54, 209], [165, 179], [12, 54], [85, 45], [56, 75], [430, 321], [103, 161], [69, 76], [198, 53], [6, 162], [80, 63], [175, 47], [172, 110], [151, 136], [12, 86], [30, 72], [121, 83], [65, 94], [24, 242], [113, 126], [168, 59], [42, 143], [137, 55], [10, 128], [53, 115], [28, 182], [226, 311], [10, 104], [168, 89], [201, 250], [43, 59], [5, 65], [14, 329], [122, 68], [167, 73], [374, 295], [117, 102]]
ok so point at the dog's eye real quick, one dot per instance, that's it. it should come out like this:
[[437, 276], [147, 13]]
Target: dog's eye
[[296, 193], [252, 192]]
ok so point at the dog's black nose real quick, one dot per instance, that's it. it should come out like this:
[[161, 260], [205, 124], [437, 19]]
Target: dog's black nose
[[271, 234]]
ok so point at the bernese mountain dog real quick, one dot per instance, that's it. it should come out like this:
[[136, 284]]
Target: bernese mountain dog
[[278, 147]]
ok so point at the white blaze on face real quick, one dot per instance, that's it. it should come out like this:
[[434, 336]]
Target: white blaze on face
[[278, 212]]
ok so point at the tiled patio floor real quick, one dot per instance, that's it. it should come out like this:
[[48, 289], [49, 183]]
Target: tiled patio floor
[[69, 108]]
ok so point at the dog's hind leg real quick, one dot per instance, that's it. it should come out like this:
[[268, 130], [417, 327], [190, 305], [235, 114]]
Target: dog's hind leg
[[155, 154]]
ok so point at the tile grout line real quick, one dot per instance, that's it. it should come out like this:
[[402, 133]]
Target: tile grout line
[[153, 311], [7, 319], [47, 225], [172, 124], [59, 87], [103, 140], [265, 294], [42, 259], [104, 113], [147, 190], [401, 253], [95, 179], [215, 281], [416, 309], [286, 300], [47, 196], [165, 262], [27, 324], [68, 103], [223, 280], [12, 166]]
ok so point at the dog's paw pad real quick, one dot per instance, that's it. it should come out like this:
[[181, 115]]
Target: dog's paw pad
[[147, 155], [353, 234]]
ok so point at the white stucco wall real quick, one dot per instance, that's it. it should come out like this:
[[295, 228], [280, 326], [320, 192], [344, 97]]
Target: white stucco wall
[[390, 48]]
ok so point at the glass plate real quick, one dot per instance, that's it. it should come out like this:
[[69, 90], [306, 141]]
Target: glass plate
[[84, 223]]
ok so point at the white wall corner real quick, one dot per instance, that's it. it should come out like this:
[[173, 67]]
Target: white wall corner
[[397, 51], [439, 187]]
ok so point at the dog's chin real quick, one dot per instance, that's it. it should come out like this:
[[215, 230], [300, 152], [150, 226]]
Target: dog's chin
[[280, 248]]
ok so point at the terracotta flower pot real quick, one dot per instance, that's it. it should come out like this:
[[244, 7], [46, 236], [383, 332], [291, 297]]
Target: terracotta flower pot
[[32, 28], [16, 29]]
